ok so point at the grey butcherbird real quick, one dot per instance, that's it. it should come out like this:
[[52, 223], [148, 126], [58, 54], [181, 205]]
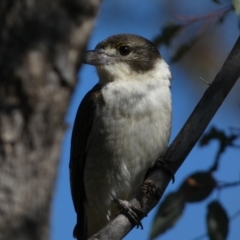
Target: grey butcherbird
[[122, 126]]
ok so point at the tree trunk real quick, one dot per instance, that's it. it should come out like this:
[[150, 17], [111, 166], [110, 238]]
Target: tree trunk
[[40, 49]]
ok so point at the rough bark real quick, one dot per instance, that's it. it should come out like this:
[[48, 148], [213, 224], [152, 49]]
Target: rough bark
[[40, 51], [157, 181]]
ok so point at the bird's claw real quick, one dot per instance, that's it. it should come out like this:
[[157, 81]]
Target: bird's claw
[[165, 165], [161, 163], [130, 211]]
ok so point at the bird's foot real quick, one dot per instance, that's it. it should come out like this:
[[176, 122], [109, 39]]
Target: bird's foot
[[131, 212], [166, 165]]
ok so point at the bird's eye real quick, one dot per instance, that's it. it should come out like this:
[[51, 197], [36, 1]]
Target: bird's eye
[[124, 50]]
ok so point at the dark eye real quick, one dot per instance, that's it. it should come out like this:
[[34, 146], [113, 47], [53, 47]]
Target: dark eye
[[124, 50]]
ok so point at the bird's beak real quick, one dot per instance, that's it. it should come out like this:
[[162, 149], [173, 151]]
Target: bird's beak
[[97, 57]]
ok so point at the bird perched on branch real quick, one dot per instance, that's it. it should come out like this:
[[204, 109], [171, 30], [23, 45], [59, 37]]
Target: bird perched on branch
[[122, 127]]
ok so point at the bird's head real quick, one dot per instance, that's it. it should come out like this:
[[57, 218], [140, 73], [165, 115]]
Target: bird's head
[[126, 56]]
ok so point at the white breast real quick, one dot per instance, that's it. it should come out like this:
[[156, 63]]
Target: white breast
[[129, 132]]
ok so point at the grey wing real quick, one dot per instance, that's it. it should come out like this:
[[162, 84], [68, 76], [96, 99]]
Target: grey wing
[[81, 130]]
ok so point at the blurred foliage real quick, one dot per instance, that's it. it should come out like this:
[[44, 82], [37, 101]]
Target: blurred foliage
[[225, 141], [217, 221], [236, 6], [216, 1], [172, 30], [168, 213], [198, 187]]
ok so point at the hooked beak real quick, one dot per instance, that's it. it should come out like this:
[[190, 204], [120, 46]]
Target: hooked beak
[[97, 57]]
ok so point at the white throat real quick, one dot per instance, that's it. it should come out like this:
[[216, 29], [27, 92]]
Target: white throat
[[121, 71]]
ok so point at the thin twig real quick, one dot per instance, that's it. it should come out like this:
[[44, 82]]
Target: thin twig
[[205, 81], [209, 16]]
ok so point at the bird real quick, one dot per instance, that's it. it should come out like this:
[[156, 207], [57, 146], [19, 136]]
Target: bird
[[122, 126]]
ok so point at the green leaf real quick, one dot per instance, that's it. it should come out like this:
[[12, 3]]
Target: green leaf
[[170, 30], [236, 6], [169, 211], [217, 221]]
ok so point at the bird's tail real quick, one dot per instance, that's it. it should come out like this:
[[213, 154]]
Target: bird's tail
[[80, 230]]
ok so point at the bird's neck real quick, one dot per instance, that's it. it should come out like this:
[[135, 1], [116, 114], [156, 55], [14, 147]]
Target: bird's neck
[[122, 72]]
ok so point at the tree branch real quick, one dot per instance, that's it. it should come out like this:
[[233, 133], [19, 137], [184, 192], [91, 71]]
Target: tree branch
[[157, 181]]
